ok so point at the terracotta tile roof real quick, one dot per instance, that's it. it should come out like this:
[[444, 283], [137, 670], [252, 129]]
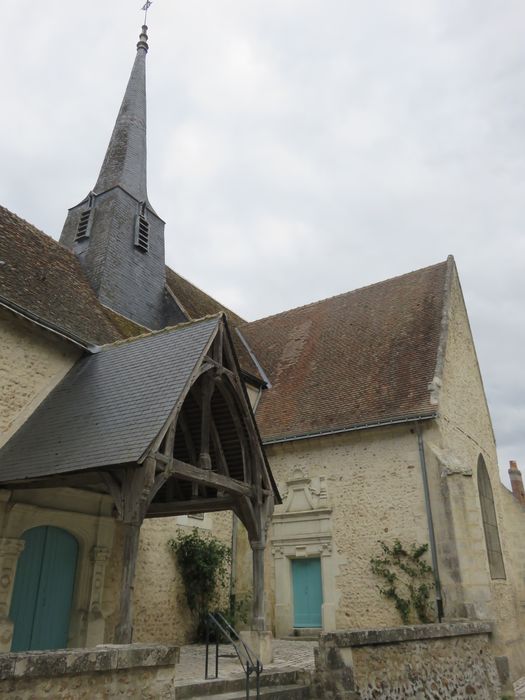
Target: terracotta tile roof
[[361, 357], [44, 278]]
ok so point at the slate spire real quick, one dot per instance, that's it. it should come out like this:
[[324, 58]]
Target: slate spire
[[115, 233], [125, 161]]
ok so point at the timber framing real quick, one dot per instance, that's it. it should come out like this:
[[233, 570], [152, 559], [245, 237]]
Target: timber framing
[[206, 457]]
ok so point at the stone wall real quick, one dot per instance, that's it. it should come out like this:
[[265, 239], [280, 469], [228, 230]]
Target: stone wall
[[129, 671], [88, 518], [32, 362], [514, 613], [161, 611], [432, 661], [463, 432], [358, 488]]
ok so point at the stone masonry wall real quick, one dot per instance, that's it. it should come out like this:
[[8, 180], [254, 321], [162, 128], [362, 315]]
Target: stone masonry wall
[[161, 611], [32, 362], [430, 661], [462, 433], [129, 671], [374, 487]]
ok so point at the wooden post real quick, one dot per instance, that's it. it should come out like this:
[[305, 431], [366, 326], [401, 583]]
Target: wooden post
[[124, 629], [258, 549], [207, 388], [137, 488]]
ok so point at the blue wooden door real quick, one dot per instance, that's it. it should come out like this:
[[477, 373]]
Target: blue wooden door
[[43, 590], [307, 592]]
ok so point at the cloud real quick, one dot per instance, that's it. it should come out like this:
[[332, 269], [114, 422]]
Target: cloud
[[297, 149]]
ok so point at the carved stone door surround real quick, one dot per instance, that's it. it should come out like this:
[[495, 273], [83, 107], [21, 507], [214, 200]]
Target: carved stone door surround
[[302, 528]]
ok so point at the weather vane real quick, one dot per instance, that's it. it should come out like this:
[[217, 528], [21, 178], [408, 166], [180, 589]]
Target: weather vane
[[145, 9]]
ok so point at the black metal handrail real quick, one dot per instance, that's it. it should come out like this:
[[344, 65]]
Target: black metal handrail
[[249, 661]]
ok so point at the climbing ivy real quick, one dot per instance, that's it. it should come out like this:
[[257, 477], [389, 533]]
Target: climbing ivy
[[203, 564], [407, 580]]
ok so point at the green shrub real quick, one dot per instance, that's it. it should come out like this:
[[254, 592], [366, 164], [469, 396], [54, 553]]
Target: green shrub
[[203, 563]]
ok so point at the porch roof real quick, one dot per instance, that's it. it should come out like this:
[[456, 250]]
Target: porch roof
[[110, 406]]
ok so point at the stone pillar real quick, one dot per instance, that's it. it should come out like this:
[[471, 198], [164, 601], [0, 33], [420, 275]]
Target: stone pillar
[[516, 482], [95, 621], [329, 593], [259, 639], [10, 550], [283, 593], [259, 622]]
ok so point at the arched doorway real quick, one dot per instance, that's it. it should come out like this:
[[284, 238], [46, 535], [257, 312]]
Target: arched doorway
[[43, 590]]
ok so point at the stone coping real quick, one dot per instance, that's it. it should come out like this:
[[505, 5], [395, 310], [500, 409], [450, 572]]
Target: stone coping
[[408, 633], [70, 662]]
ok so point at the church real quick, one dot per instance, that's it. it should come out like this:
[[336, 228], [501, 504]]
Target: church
[[133, 404]]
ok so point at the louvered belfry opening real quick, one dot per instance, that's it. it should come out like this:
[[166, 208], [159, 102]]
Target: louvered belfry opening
[[83, 225], [142, 233]]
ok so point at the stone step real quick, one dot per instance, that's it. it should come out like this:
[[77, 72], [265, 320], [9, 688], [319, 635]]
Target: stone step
[[302, 638], [280, 692], [307, 632], [190, 690]]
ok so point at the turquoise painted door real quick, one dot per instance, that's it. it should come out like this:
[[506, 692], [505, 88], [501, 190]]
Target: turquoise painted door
[[43, 591], [307, 592]]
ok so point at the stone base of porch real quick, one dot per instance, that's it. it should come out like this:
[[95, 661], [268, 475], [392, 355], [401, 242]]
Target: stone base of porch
[[260, 643]]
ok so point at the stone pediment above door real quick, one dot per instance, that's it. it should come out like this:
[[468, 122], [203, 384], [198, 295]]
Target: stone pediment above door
[[302, 493]]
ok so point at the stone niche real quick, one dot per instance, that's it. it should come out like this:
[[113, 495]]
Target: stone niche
[[302, 528], [126, 671]]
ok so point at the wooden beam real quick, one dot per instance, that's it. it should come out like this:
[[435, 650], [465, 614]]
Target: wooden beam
[[234, 413], [214, 434], [251, 428], [220, 368], [217, 348], [221, 459], [201, 505], [115, 491], [246, 513], [169, 441], [207, 387], [192, 453], [135, 496], [172, 418], [124, 628], [206, 477]]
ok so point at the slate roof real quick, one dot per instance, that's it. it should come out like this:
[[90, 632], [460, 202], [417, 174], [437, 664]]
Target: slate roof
[[109, 407], [195, 302], [46, 279], [361, 357], [43, 277]]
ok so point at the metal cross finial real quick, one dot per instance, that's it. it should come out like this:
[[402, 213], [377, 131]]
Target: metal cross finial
[[145, 9]]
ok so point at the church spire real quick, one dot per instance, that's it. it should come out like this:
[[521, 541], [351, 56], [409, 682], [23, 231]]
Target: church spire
[[115, 233], [125, 161]]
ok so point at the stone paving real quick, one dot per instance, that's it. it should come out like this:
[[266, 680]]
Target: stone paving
[[288, 655]]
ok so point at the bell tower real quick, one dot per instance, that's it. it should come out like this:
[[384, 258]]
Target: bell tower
[[115, 232]]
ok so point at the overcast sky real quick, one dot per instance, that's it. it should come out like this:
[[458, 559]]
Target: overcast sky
[[297, 148]]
